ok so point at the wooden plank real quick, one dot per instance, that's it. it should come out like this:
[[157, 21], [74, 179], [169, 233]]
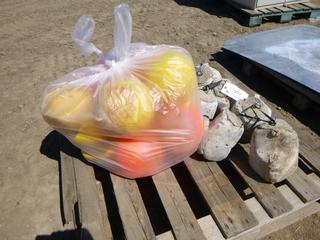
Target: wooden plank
[[309, 149], [165, 236], [284, 9], [88, 202], [303, 7], [314, 178], [227, 207], [304, 186], [279, 223], [181, 217], [264, 11], [250, 12], [210, 228], [104, 212], [294, 7], [290, 196], [257, 210], [134, 216], [69, 192], [274, 10], [267, 194]]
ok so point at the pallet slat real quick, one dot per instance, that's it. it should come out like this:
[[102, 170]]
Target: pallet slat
[[267, 194], [304, 186], [303, 7], [104, 212], [274, 10], [227, 207], [69, 192], [88, 202], [134, 216], [280, 222], [284, 9], [181, 217], [264, 11], [294, 7]]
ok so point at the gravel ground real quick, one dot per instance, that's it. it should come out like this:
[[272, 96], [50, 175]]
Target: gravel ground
[[36, 48]]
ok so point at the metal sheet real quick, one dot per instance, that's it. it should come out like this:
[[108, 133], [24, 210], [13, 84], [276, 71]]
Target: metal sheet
[[292, 51]]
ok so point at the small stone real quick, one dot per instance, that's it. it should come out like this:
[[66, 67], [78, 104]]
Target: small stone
[[207, 74], [222, 135], [223, 103], [215, 34], [210, 80], [208, 104], [274, 133], [215, 88]]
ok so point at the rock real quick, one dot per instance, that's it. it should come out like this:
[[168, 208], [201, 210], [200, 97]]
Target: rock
[[223, 103], [207, 74], [206, 123], [215, 88], [274, 151], [223, 100], [252, 112], [208, 104], [222, 135], [210, 80]]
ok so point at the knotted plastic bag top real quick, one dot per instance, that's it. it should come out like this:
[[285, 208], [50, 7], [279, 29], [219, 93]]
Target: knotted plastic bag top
[[122, 34]]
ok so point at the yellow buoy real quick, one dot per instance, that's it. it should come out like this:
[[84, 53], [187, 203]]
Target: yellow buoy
[[127, 104], [70, 108], [173, 72]]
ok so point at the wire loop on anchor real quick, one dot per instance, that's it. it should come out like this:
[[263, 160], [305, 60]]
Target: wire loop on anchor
[[271, 121]]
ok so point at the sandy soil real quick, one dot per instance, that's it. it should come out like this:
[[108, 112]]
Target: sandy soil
[[36, 48]]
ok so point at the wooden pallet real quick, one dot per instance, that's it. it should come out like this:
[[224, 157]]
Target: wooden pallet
[[283, 14], [300, 93], [193, 200]]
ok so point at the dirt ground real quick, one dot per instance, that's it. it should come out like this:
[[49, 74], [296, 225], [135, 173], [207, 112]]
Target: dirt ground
[[36, 48]]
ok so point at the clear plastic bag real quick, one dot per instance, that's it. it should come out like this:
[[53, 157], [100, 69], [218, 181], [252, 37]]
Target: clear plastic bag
[[136, 112]]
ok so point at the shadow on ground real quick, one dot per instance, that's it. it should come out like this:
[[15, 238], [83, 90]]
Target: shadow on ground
[[66, 235], [55, 142], [214, 7], [51, 146]]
